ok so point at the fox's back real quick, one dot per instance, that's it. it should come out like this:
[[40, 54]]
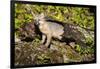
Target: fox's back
[[55, 28]]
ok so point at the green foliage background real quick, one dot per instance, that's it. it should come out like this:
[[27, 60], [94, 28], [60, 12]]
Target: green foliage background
[[78, 15]]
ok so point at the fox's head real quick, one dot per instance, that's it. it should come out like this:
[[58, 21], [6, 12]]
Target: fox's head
[[39, 18]]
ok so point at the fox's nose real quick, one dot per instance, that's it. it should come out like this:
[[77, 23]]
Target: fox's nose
[[38, 23]]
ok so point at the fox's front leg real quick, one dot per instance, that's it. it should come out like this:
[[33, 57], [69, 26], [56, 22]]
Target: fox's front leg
[[48, 40], [43, 38]]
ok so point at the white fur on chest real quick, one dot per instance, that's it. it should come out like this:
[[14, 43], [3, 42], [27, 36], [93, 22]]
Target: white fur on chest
[[44, 27]]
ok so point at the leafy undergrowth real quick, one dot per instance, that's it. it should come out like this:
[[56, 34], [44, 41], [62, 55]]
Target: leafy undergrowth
[[27, 53]]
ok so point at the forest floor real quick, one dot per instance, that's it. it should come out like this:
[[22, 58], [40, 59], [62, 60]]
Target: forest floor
[[27, 53]]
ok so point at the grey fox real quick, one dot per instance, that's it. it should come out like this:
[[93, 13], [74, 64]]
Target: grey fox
[[51, 28]]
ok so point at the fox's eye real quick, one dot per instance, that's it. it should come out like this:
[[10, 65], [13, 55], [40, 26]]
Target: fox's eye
[[38, 19]]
